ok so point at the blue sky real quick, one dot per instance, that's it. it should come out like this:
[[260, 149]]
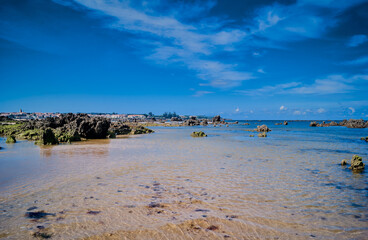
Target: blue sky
[[241, 59]]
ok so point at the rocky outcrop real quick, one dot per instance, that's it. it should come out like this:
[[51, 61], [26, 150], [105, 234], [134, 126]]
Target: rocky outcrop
[[351, 123], [217, 120], [198, 134], [176, 119], [204, 122], [357, 163], [192, 121], [286, 123], [263, 128], [11, 139]]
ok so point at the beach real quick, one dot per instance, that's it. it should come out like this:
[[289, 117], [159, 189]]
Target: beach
[[168, 185]]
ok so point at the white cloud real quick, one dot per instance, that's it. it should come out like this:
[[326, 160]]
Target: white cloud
[[321, 110], [237, 109], [201, 93], [283, 108], [357, 40], [260, 70], [332, 84], [297, 112], [175, 42], [352, 110]]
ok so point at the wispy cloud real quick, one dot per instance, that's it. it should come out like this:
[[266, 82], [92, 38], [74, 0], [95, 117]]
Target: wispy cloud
[[170, 37], [358, 61], [172, 41], [201, 93], [332, 84], [357, 40]]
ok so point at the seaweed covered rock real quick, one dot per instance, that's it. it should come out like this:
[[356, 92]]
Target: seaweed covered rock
[[262, 134], [140, 130], [198, 134], [364, 139], [263, 128], [67, 136], [11, 139], [357, 163], [48, 138]]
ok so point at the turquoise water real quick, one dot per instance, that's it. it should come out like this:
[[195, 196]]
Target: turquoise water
[[289, 185]]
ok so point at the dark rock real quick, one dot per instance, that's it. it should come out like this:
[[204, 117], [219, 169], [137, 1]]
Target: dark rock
[[364, 139], [286, 123], [192, 121], [213, 228], [38, 215], [313, 124], [42, 235], [204, 122], [344, 162], [198, 134], [31, 208]]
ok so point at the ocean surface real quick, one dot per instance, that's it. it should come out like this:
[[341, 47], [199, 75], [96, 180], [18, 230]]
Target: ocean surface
[[168, 185]]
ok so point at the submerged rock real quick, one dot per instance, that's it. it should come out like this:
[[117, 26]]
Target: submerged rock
[[198, 134], [263, 128], [11, 139], [38, 215], [357, 163], [344, 162]]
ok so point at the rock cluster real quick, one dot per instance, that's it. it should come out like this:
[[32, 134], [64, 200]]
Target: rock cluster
[[192, 121], [364, 139], [351, 123]]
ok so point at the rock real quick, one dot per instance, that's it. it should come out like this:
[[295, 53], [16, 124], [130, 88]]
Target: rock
[[216, 119], [357, 163], [176, 119], [236, 122], [41, 235], [263, 128], [48, 138], [251, 135], [112, 135], [364, 139], [262, 134], [204, 122], [91, 212], [11, 139], [140, 130], [344, 162], [246, 124], [313, 124], [286, 123], [198, 134], [193, 121]]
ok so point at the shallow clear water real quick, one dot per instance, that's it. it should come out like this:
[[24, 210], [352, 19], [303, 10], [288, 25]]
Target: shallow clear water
[[289, 185]]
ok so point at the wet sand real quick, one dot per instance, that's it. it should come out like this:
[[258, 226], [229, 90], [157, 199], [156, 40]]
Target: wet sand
[[168, 185]]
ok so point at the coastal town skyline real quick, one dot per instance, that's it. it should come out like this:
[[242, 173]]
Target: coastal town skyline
[[255, 60]]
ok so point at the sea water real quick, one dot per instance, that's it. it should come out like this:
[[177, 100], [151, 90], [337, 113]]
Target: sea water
[[168, 185]]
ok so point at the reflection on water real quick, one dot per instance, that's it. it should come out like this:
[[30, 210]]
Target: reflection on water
[[168, 185]]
